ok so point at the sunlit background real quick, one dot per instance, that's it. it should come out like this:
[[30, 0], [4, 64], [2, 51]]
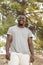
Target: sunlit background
[[33, 10]]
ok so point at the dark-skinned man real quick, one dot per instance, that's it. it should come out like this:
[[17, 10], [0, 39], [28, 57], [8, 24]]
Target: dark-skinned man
[[19, 47]]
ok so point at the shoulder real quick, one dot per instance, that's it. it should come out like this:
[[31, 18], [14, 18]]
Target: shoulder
[[28, 30], [12, 27]]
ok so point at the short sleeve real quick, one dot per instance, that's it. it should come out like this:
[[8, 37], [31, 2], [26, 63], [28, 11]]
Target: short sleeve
[[29, 33], [9, 31]]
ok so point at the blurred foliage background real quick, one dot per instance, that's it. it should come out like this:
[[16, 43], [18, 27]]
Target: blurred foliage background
[[32, 9]]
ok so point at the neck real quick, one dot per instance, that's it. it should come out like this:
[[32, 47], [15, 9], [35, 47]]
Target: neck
[[21, 26]]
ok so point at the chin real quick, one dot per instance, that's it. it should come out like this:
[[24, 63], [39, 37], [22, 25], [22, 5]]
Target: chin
[[21, 24]]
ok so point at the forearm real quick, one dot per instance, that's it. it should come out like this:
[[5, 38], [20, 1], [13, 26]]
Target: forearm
[[8, 42], [31, 48], [7, 46]]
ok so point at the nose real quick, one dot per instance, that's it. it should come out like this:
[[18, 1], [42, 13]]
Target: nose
[[22, 19]]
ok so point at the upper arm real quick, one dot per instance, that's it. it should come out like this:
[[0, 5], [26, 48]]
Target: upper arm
[[30, 40], [9, 34], [29, 37], [10, 31], [29, 34], [9, 38]]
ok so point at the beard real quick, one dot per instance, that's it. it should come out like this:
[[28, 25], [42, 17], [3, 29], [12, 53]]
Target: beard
[[20, 24]]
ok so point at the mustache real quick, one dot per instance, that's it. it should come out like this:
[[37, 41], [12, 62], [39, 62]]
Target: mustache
[[20, 24]]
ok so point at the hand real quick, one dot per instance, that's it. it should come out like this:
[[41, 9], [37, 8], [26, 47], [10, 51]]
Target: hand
[[7, 55], [32, 58]]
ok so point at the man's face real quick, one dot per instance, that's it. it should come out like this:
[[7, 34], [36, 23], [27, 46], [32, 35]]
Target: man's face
[[21, 20]]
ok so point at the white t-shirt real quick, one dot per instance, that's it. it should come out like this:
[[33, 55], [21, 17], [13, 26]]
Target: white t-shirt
[[20, 39]]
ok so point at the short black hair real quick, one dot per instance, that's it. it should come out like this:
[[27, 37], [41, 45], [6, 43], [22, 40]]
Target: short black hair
[[20, 16]]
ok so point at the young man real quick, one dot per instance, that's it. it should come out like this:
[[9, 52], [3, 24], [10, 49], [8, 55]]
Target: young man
[[19, 47]]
